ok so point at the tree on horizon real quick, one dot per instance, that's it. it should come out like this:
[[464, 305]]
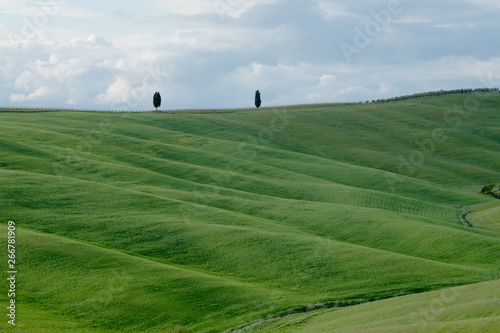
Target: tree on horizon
[[258, 102], [157, 100]]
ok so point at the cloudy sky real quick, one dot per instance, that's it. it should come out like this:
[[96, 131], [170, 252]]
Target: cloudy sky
[[217, 53]]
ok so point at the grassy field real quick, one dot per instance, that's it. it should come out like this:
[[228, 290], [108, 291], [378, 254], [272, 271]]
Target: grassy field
[[472, 308], [208, 220], [487, 215]]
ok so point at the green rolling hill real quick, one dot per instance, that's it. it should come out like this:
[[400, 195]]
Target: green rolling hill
[[472, 308], [208, 220]]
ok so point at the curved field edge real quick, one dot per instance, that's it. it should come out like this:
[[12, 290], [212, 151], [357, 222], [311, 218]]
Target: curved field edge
[[471, 308]]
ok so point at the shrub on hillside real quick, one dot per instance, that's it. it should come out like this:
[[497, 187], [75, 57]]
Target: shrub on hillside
[[491, 190]]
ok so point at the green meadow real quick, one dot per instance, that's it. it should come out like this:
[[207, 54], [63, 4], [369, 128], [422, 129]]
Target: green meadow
[[215, 220], [471, 308]]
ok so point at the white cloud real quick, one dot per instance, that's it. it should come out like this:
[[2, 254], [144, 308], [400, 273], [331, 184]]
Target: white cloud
[[54, 78], [76, 12], [91, 42], [187, 8], [25, 82], [12, 5], [44, 11], [416, 19], [117, 92], [42, 93], [98, 41], [334, 9], [455, 25], [230, 8], [55, 58], [58, 72], [387, 89]]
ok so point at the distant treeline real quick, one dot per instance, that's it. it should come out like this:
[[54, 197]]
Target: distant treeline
[[436, 93]]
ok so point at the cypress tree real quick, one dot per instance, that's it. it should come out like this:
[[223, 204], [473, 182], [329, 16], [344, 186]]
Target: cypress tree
[[258, 102], [157, 100]]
